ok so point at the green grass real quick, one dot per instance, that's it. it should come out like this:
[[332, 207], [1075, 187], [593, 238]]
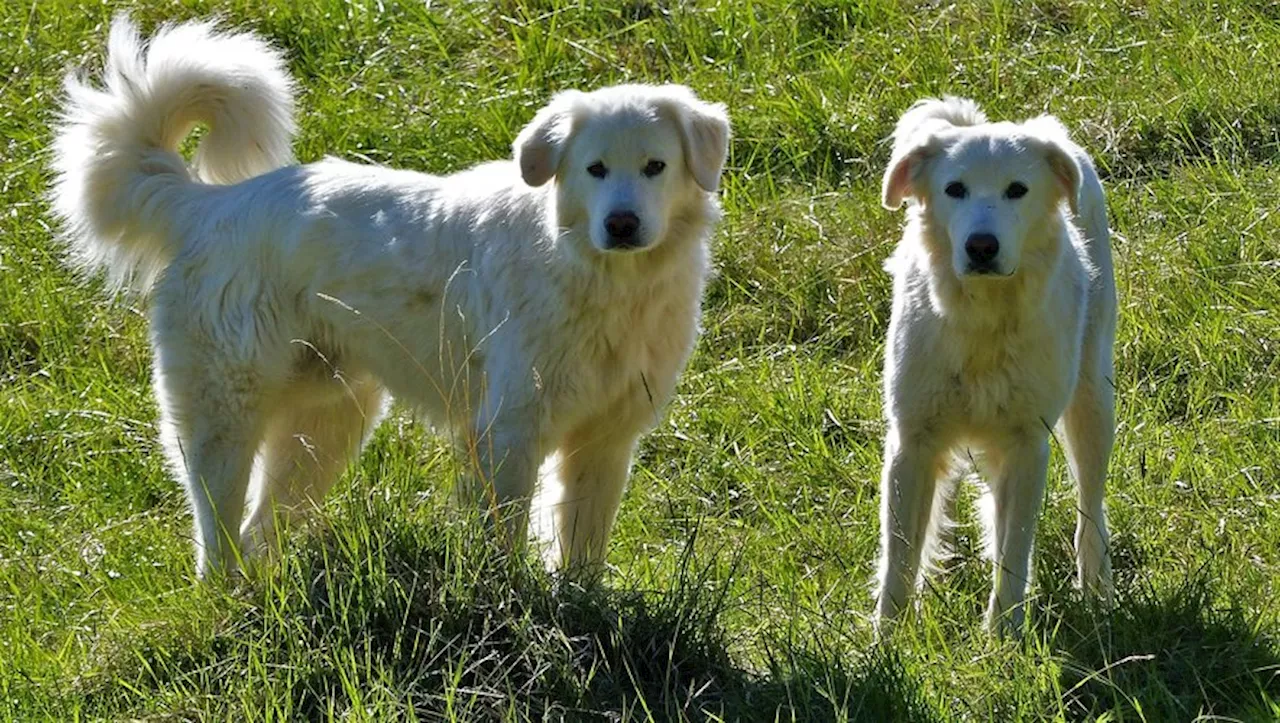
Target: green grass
[[740, 570]]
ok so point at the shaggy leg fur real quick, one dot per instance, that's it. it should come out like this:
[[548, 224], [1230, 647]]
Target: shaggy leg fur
[[1017, 492], [592, 475], [211, 429], [906, 506], [1088, 434], [304, 452], [506, 457]]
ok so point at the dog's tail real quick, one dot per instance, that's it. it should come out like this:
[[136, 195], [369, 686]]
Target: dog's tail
[[939, 538], [934, 113], [119, 178]]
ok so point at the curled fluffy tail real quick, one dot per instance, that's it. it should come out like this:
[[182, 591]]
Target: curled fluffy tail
[[120, 182]]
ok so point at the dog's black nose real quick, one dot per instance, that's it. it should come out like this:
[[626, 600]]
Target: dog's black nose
[[621, 227], [982, 247]]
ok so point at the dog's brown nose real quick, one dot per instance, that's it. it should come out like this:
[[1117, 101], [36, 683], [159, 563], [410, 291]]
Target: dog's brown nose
[[621, 226], [982, 247]]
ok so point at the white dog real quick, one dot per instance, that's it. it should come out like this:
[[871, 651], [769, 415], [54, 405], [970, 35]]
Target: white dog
[[1003, 323], [539, 310]]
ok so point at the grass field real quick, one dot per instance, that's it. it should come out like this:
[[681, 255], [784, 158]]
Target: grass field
[[739, 583]]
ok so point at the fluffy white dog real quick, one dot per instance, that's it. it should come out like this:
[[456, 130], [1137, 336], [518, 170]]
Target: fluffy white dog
[[1004, 311], [538, 310]]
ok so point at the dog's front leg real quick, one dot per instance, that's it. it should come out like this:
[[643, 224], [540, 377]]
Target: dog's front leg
[[1017, 491], [906, 502], [592, 470]]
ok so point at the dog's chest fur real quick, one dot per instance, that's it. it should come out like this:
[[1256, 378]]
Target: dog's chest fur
[[1001, 358], [633, 336], [1016, 372]]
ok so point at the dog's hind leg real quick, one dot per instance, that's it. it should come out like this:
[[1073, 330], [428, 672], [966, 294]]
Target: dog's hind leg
[[909, 478], [305, 449], [210, 425], [1088, 430], [1017, 490]]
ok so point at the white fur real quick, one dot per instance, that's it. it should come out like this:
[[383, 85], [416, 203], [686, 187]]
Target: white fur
[[985, 364], [289, 301]]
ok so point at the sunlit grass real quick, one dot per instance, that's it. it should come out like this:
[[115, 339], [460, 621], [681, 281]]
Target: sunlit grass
[[741, 565]]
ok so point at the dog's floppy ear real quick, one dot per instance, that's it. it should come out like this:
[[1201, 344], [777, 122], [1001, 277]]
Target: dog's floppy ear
[[704, 134], [1066, 171], [905, 168], [916, 139], [1062, 162], [540, 145]]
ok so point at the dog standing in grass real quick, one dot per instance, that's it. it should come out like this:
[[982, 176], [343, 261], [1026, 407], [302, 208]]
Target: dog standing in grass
[[539, 310], [1004, 312]]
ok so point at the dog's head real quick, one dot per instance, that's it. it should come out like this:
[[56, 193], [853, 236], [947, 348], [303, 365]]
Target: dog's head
[[987, 188], [626, 159]]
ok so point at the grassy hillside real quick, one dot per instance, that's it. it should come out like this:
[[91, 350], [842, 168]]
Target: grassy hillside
[[739, 584]]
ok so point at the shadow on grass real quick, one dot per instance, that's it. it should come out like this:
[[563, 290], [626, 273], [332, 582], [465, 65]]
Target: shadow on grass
[[1179, 653], [391, 617]]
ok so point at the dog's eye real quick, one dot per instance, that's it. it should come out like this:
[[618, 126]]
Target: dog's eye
[[956, 189], [1015, 190], [653, 168], [598, 170]]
